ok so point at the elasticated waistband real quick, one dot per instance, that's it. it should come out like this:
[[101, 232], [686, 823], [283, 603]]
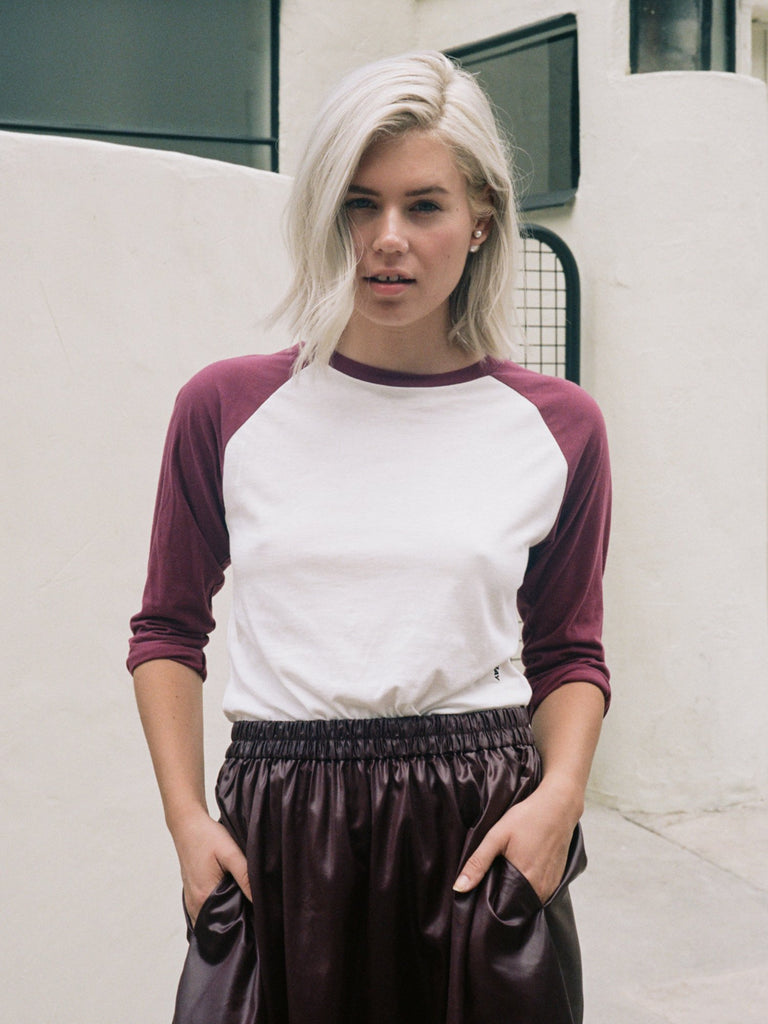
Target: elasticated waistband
[[366, 738]]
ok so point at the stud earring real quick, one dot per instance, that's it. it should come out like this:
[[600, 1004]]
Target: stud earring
[[477, 233], [474, 248]]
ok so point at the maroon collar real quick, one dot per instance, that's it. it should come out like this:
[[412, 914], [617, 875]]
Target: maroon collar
[[398, 379]]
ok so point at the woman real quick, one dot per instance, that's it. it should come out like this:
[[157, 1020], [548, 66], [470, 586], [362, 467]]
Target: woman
[[393, 846]]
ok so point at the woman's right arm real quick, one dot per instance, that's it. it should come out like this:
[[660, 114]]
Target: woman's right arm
[[170, 700]]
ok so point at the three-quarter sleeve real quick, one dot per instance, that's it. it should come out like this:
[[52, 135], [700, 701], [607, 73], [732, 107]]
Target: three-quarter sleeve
[[561, 599], [189, 547]]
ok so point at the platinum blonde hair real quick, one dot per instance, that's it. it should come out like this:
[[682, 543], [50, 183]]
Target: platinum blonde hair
[[424, 92]]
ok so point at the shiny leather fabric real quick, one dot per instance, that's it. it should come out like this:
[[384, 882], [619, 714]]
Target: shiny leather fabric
[[354, 833]]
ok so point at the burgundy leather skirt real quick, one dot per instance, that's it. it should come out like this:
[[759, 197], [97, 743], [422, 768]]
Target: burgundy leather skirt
[[354, 833]]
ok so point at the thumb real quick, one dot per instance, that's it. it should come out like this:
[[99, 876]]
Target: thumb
[[237, 866], [477, 865]]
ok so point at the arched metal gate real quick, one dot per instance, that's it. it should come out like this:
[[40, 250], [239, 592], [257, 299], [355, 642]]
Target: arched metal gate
[[548, 300]]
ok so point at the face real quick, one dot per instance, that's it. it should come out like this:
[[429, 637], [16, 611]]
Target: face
[[412, 225]]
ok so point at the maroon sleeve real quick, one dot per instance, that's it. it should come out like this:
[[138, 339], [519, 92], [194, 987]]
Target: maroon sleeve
[[561, 599], [189, 549]]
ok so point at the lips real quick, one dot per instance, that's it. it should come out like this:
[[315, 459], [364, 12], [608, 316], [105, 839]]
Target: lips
[[389, 279], [388, 286]]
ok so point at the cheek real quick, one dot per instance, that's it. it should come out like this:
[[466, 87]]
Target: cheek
[[454, 244], [358, 242], [451, 255]]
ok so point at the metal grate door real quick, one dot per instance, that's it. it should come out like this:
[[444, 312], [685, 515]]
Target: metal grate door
[[548, 302]]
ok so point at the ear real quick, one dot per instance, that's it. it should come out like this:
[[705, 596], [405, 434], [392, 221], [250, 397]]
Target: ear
[[482, 207], [482, 229]]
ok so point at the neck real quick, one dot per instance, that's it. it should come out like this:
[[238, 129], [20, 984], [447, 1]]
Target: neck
[[408, 351]]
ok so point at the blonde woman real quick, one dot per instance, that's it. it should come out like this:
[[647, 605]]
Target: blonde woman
[[399, 805]]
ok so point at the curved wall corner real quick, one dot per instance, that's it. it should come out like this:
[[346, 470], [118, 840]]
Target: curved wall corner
[[123, 272], [672, 222]]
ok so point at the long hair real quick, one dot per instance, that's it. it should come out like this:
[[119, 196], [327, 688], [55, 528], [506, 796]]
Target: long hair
[[426, 92]]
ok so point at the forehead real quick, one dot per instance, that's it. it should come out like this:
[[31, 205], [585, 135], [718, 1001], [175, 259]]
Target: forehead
[[411, 160]]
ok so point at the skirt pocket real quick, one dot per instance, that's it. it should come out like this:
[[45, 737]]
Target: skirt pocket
[[220, 980], [221, 887], [517, 969]]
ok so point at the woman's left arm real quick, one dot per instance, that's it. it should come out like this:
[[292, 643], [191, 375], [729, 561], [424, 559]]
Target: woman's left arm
[[535, 833]]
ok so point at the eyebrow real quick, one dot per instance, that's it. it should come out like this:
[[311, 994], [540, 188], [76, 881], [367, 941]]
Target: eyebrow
[[427, 190]]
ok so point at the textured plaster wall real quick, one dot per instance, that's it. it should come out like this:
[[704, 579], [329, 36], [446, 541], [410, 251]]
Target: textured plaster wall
[[676, 246], [319, 42], [123, 271]]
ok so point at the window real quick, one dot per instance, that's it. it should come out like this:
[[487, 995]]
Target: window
[[682, 35], [760, 45], [198, 76], [532, 77]]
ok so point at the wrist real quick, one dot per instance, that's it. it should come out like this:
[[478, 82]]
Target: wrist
[[183, 816], [566, 792]]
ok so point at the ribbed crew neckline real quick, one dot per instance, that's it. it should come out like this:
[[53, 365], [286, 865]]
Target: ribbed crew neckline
[[400, 379]]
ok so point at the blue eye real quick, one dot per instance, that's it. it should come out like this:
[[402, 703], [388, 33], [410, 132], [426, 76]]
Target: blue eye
[[425, 206], [358, 203]]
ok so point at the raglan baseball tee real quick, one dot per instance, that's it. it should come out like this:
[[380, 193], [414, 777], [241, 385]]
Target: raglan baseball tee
[[382, 531]]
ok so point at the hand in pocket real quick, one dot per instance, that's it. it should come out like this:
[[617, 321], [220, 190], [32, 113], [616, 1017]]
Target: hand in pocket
[[206, 853], [534, 836]]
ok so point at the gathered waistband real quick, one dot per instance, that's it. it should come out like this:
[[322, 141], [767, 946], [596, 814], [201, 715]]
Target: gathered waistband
[[367, 738]]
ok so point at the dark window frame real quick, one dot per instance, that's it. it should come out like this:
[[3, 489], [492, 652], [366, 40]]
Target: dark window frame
[[525, 38], [109, 133], [706, 41]]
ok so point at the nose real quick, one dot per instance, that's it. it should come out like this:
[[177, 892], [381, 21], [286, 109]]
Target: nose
[[390, 235]]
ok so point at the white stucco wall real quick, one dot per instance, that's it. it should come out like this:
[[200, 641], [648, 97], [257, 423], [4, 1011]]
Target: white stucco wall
[[123, 271], [673, 231], [319, 42]]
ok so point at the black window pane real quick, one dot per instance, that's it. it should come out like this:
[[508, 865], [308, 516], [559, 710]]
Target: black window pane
[[532, 79], [682, 35], [170, 67]]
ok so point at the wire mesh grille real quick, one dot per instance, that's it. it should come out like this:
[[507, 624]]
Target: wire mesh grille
[[542, 302], [549, 302]]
